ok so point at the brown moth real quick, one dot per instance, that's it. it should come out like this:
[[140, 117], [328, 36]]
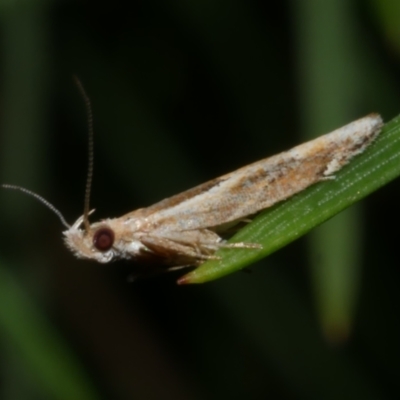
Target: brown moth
[[185, 229]]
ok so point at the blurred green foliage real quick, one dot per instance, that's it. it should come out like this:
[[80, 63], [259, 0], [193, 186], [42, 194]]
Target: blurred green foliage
[[183, 92]]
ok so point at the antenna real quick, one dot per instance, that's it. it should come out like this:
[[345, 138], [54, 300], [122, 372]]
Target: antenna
[[41, 199], [89, 178]]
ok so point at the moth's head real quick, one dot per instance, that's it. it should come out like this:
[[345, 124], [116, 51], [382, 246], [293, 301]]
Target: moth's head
[[92, 241], [95, 243]]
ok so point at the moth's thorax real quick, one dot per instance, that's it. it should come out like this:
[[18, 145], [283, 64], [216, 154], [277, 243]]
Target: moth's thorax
[[124, 242]]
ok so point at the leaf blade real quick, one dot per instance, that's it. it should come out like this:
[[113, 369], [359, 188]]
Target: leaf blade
[[287, 221]]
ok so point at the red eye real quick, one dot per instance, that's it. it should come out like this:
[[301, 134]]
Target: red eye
[[103, 239]]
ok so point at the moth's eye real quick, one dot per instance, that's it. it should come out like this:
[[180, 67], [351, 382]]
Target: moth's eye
[[103, 239]]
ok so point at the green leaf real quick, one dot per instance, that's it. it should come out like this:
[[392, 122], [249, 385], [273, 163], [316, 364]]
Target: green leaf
[[287, 221], [44, 353]]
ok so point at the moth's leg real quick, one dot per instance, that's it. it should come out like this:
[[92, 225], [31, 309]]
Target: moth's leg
[[178, 268], [203, 242], [328, 178], [153, 273], [175, 252], [200, 244], [240, 245]]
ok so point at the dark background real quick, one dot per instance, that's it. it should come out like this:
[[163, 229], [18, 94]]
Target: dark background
[[183, 91]]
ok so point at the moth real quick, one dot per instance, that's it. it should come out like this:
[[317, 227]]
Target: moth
[[187, 229]]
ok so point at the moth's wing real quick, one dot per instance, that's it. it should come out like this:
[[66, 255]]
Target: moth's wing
[[229, 198], [257, 186], [177, 199]]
